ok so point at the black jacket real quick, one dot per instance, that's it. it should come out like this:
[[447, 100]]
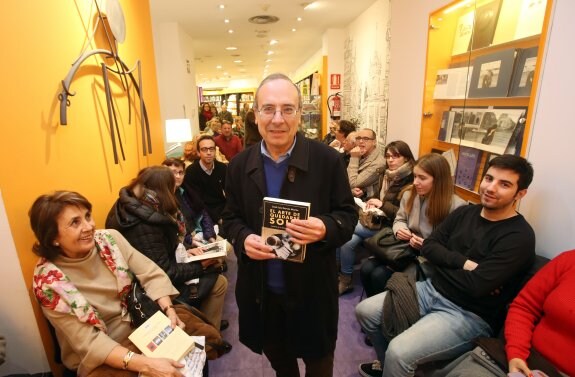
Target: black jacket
[[152, 233], [316, 174]]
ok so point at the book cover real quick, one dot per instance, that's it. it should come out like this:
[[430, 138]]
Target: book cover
[[523, 73], [452, 83], [531, 18], [276, 213], [446, 126], [485, 22], [211, 250], [467, 167], [492, 74], [507, 21], [155, 338], [463, 33]]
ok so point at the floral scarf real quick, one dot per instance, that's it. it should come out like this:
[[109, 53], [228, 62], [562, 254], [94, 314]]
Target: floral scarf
[[150, 198], [391, 176], [54, 290]]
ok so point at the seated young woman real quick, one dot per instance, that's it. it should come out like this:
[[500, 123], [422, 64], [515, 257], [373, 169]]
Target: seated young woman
[[147, 214], [81, 281], [423, 206], [397, 175]]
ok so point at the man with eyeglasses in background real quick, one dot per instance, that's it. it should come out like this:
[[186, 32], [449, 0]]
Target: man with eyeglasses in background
[[366, 164], [288, 310], [208, 178]]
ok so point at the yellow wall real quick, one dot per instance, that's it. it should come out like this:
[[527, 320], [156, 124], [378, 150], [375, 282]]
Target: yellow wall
[[40, 41]]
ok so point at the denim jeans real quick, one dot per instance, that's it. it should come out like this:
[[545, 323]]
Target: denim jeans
[[444, 331], [346, 253]]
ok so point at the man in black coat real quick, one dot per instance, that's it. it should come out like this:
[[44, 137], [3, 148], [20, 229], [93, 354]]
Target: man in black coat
[[288, 310]]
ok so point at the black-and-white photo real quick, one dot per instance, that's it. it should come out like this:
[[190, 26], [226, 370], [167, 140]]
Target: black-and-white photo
[[489, 74]]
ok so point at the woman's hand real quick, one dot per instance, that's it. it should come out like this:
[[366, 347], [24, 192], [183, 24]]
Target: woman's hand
[[519, 365], [357, 192], [373, 203], [161, 367], [403, 234], [196, 251], [174, 318], [416, 242]]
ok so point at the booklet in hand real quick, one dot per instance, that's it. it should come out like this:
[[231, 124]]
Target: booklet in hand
[[211, 250]]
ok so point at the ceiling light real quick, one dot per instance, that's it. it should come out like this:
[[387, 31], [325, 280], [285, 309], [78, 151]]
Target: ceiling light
[[230, 31], [268, 61], [293, 29], [226, 21], [308, 6], [218, 67], [299, 18], [238, 61], [270, 52], [222, 6], [273, 42], [231, 48]]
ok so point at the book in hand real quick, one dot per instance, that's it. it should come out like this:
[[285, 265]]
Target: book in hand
[[156, 338], [276, 214], [211, 250]]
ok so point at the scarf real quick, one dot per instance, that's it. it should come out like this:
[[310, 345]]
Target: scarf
[[400, 306], [150, 198], [54, 290], [392, 176]]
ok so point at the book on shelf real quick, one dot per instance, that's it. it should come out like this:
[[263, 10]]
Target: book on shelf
[[156, 338], [531, 17], [451, 160], [446, 126], [492, 74], [452, 83], [507, 21], [467, 167], [276, 213], [210, 250], [462, 38], [484, 26], [523, 73]]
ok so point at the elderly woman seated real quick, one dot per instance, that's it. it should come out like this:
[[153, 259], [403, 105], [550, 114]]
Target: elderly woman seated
[[81, 282]]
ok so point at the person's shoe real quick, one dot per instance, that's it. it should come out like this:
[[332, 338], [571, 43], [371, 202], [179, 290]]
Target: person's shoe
[[367, 341], [224, 324], [372, 369], [345, 285]]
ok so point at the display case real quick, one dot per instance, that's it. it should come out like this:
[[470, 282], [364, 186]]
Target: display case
[[233, 99], [483, 60], [311, 109]]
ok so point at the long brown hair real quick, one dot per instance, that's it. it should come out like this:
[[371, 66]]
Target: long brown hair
[[441, 194], [159, 179]]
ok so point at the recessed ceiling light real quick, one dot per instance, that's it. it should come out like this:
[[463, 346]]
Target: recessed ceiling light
[[230, 31], [268, 61], [218, 67], [293, 29], [309, 6], [226, 21], [299, 18], [270, 52], [273, 42], [231, 48], [238, 61], [222, 6]]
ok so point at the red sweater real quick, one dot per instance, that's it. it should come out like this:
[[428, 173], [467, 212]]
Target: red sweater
[[543, 315], [230, 147]]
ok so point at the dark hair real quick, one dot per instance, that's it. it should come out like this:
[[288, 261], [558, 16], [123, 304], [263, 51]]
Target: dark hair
[[516, 164], [161, 180], [174, 162], [346, 127], [251, 117], [402, 149], [440, 197], [202, 138], [273, 77], [44, 219]]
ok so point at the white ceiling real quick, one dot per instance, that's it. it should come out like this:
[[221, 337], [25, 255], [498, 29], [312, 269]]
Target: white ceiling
[[203, 21]]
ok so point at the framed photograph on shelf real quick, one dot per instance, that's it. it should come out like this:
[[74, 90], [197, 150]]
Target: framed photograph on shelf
[[492, 74], [488, 129], [523, 73]]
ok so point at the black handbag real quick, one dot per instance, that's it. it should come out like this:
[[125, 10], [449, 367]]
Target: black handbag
[[396, 254], [140, 305]]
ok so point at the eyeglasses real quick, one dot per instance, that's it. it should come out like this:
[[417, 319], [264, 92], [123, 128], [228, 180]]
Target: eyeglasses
[[269, 111], [392, 156], [180, 172], [363, 138], [208, 149]]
